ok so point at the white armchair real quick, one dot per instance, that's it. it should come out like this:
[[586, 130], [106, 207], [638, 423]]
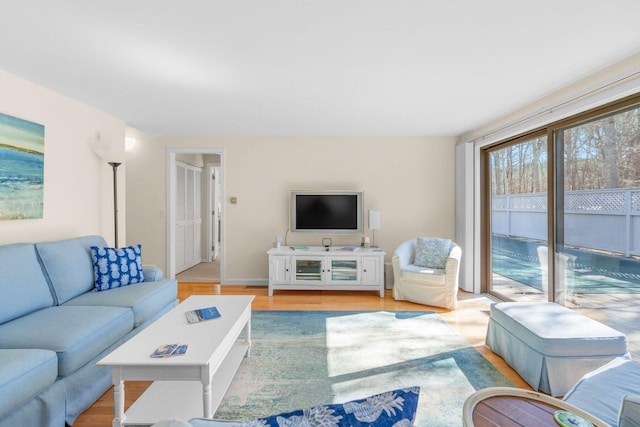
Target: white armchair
[[426, 285]]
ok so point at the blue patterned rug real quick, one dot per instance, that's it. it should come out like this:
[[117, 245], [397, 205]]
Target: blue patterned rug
[[300, 359]]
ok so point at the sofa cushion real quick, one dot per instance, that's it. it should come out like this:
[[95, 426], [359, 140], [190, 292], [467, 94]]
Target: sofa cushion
[[23, 286], [47, 409], [116, 267], [68, 265], [23, 375], [144, 299], [432, 252], [602, 391], [76, 334], [392, 408]]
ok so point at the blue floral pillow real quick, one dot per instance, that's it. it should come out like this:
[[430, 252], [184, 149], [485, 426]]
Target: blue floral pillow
[[393, 408], [113, 268], [432, 252]]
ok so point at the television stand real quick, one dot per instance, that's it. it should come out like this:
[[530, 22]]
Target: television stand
[[347, 268]]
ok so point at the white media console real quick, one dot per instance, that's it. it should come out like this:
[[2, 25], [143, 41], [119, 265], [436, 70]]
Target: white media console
[[315, 267]]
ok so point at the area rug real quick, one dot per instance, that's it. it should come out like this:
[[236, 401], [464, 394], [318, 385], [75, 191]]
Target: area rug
[[300, 359]]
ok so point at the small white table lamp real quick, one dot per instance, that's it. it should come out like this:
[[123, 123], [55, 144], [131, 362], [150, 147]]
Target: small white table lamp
[[374, 224]]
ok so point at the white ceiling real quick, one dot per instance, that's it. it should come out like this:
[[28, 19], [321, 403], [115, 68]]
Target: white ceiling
[[312, 67]]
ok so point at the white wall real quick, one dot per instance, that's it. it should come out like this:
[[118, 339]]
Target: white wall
[[78, 185], [410, 179]]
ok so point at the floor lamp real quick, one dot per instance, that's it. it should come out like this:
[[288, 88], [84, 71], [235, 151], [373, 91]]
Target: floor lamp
[[115, 165], [114, 156]]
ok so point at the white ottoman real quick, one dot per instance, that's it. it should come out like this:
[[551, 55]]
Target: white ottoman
[[550, 346]]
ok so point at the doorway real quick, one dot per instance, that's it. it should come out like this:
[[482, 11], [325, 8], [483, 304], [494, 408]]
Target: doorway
[[200, 200]]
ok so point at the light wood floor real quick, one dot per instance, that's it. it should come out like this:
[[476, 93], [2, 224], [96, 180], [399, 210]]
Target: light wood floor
[[469, 320]]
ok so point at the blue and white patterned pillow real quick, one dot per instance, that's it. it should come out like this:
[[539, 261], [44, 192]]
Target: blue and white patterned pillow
[[113, 268], [395, 408], [432, 252]]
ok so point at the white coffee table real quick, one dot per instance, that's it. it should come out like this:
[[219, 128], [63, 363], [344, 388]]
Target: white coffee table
[[187, 386]]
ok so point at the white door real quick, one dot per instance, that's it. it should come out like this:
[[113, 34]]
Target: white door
[[188, 216]]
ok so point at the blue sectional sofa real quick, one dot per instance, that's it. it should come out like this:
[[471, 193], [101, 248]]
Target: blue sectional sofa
[[54, 327]]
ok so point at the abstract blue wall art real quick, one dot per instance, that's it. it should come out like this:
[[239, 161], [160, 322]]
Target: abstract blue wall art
[[21, 168]]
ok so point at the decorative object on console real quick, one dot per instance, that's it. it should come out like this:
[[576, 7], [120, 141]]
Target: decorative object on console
[[374, 224], [300, 248]]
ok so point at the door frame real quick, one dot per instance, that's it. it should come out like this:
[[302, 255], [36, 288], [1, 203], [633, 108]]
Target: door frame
[[210, 167], [171, 204]]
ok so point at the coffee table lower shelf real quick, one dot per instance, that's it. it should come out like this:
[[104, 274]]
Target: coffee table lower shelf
[[184, 399]]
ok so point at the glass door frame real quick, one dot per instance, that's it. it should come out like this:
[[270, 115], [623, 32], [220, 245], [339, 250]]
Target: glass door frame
[[486, 269], [555, 216]]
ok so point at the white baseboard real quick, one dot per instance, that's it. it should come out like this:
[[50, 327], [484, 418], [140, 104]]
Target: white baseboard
[[245, 282]]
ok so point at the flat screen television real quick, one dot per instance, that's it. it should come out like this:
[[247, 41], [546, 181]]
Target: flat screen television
[[329, 212]]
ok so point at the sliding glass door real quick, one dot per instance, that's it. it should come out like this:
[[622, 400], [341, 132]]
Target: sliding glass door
[[561, 212], [516, 175], [598, 211]]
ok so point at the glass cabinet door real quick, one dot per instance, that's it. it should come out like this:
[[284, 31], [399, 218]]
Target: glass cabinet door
[[344, 270], [308, 270]]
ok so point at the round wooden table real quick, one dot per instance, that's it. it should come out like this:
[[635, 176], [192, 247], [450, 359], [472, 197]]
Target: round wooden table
[[506, 406]]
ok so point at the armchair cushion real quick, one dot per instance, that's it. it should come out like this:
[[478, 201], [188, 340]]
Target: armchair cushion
[[414, 273], [432, 252]]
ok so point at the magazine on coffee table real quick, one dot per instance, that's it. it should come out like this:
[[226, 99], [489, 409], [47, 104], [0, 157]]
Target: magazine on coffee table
[[168, 350], [202, 314]]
